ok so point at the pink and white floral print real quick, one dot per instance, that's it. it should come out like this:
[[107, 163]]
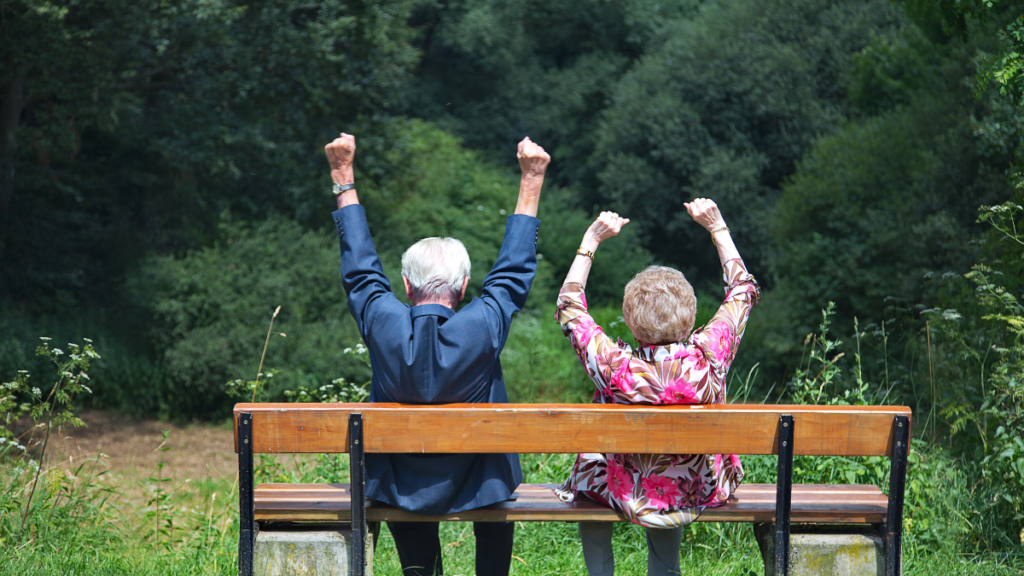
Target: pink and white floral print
[[659, 490]]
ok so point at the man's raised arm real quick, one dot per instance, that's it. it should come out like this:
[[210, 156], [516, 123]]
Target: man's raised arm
[[508, 284], [361, 273], [533, 161]]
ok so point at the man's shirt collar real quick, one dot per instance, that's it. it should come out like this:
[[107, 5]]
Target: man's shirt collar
[[432, 310]]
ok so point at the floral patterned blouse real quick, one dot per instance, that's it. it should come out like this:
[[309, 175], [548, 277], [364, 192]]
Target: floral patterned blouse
[[659, 491]]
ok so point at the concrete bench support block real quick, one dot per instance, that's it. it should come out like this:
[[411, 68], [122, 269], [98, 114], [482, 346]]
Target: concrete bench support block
[[825, 551], [314, 551]]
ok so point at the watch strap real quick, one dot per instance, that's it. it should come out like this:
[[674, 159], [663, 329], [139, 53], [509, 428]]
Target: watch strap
[[339, 188]]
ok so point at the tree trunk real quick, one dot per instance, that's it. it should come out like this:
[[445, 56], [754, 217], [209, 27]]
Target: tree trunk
[[13, 95]]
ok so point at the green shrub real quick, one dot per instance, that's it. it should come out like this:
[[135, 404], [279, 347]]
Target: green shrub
[[211, 308], [980, 383]]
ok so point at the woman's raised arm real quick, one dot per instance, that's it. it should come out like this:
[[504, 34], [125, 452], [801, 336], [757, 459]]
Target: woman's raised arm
[[705, 212], [720, 337], [608, 224]]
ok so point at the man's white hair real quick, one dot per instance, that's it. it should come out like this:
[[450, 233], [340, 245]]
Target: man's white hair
[[436, 267]]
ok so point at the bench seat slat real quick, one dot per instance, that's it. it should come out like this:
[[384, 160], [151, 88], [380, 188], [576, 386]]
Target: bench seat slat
[[812, 503]]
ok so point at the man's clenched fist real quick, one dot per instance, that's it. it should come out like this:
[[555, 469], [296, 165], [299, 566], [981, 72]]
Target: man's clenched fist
[[341, 152], [533, 160]]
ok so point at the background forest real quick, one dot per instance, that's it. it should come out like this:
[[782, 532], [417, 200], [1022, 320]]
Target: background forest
[[163, 189]]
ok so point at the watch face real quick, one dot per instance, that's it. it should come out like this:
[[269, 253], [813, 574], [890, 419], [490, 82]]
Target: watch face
[[337, 190]]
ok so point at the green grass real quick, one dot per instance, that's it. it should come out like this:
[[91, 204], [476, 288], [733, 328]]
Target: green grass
[[97, 537]]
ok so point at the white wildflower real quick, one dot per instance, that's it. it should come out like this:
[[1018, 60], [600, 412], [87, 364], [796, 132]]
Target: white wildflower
[[45, 339], [58, 352], [37, 391]]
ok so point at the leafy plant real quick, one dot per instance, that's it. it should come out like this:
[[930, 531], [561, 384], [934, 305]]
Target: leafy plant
[[55, 410], [340, 389], [986, 419], [821, 380]]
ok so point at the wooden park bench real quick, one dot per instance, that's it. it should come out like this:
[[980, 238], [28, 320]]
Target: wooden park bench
[[574, 428]]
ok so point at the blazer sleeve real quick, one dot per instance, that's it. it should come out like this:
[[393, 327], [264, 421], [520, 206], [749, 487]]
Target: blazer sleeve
[[361, 272], [508, 284]]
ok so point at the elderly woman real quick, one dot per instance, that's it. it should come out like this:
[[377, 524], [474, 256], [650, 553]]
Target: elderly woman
[[671, 364]]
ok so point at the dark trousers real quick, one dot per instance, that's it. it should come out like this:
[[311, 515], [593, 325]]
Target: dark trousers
[[419, 547]]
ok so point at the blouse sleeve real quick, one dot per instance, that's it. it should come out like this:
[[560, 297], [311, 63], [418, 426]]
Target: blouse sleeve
[[606, 362], [720, 337]]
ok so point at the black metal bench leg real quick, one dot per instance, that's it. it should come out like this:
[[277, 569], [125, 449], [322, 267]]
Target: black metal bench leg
[[247, 524], [358, 485], [897, 487], [783, 495]]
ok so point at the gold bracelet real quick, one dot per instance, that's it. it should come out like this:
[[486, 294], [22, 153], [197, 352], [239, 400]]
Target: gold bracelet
[[581, 251], [722, 229]]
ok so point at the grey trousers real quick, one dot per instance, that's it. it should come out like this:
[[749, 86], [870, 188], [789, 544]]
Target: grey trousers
[[662, 549]]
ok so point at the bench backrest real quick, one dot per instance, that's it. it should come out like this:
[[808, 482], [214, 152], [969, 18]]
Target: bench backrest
[[573, 428]]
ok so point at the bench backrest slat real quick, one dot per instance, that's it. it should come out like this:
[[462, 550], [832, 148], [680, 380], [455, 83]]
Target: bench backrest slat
[[572, 428]]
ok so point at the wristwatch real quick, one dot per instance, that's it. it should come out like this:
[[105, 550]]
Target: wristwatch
[[339, 188]]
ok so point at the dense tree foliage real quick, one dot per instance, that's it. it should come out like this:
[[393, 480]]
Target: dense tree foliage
[[137, 123], [650, 104], [849, 144], [875, 207]]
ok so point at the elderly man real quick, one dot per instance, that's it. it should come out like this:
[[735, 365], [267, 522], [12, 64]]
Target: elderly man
[[427, 353]]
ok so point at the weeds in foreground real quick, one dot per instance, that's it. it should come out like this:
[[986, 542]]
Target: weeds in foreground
[[55, 410]]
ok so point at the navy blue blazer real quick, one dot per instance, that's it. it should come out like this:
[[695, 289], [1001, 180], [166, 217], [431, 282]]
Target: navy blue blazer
[[430, 354]]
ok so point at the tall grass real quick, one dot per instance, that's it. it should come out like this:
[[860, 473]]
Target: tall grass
[[81, 528], [89, 534]]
